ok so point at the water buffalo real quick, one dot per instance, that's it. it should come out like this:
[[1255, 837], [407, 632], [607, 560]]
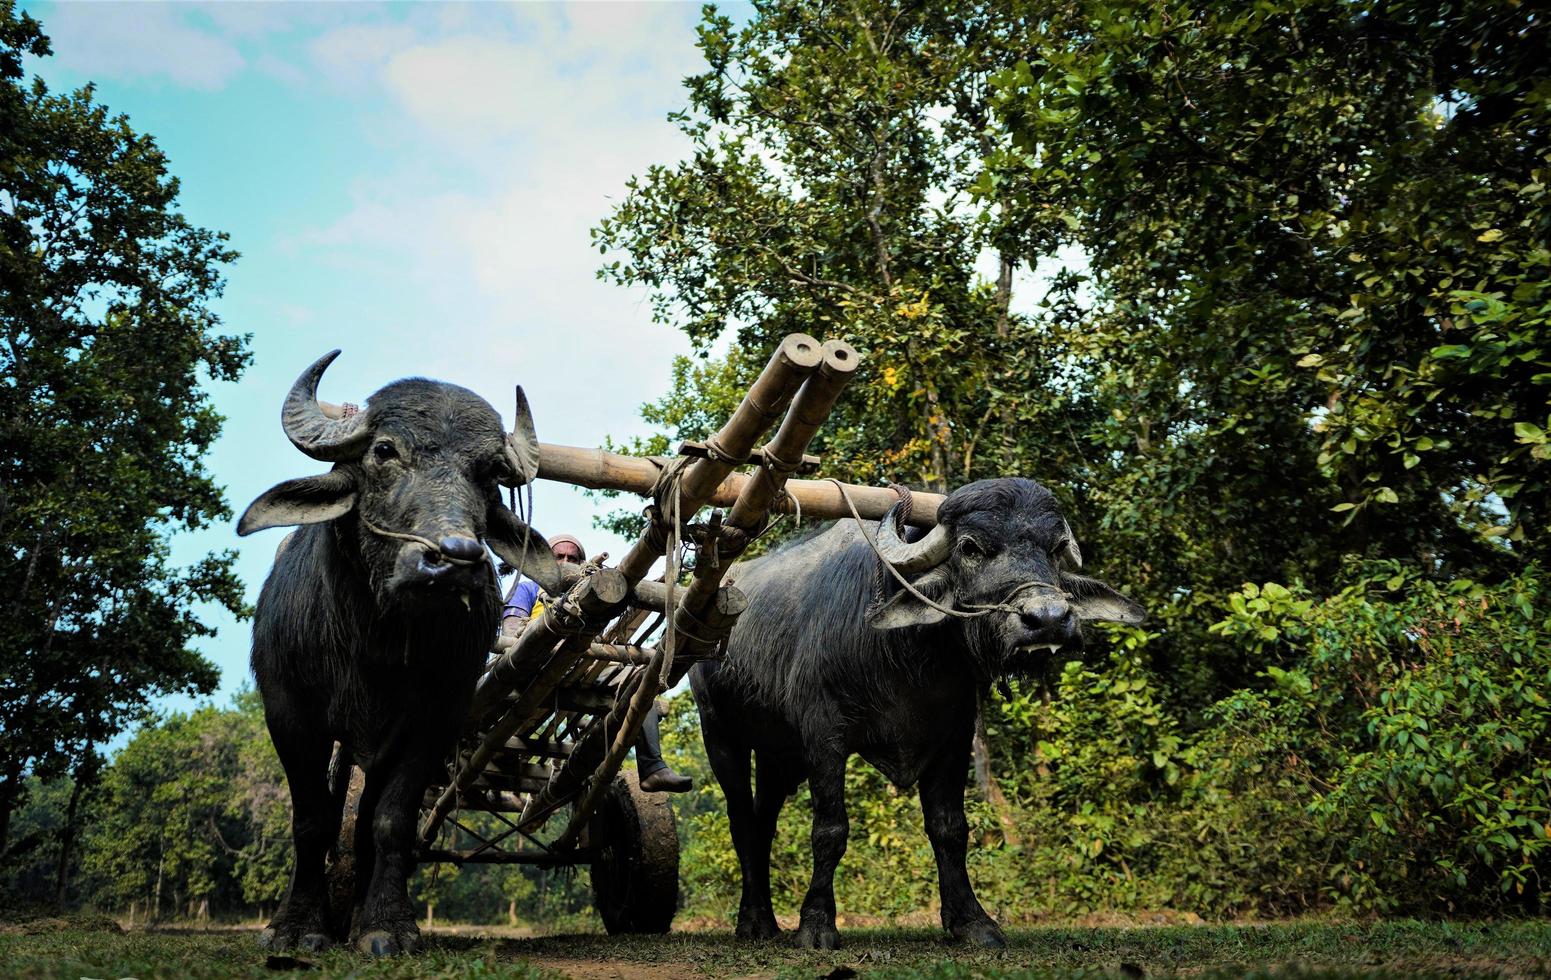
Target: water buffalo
[[816, 671], [373, 625]]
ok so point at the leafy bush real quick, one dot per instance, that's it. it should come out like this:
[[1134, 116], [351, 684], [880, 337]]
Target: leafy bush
[[1425, 701]]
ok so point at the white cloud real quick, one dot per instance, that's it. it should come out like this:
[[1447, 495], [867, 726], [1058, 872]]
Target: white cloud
[[132, 41], [352, 55]]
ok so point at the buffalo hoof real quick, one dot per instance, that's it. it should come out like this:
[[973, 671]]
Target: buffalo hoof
[[816, 935], [758, 927], [983, 933], [283, 938], [386, 942]]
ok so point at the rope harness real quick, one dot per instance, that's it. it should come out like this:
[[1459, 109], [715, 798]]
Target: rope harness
[[430, 545], [976, 610]]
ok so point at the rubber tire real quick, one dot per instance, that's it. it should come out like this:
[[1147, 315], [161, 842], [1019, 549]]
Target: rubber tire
[[635, 875]]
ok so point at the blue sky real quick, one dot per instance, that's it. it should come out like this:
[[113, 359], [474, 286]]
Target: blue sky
[[413, 183]]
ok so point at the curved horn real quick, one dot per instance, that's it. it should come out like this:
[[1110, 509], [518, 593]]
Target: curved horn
[[910, 558], [522, 445], [1073, 553], [313, 432]]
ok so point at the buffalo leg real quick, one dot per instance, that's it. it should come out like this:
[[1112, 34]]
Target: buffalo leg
[[942, 804], [773, 783], [729, 759], [386, 923], [831, 830], [302, 919]]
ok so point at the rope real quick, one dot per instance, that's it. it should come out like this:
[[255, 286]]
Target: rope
[[427, 542], [714, 450], [977, 610]]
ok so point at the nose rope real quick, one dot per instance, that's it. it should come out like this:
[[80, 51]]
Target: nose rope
[[979, 610], [427, 542]]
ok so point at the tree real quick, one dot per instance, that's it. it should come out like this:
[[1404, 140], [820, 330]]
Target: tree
[[1313, 313], [827, 192], [106, 335], [193, 809]]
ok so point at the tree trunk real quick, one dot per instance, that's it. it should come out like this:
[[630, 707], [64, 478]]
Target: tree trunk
[[430, 914], [511, 912], [10, 785], [1003, 298], [156, 902], [67, 834], [990, 790]]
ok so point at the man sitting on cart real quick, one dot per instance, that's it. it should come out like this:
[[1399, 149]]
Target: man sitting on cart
[[526, 600]]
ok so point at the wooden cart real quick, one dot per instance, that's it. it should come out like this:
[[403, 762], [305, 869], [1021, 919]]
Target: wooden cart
[[559, 707]]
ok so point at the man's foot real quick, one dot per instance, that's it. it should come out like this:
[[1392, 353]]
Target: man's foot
[[665, 780]]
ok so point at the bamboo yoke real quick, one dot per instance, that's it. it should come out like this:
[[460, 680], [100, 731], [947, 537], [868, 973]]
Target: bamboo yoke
[[558, 708]]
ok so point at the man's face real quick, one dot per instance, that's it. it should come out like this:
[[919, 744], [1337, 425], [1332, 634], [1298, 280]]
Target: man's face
[[567, 552]]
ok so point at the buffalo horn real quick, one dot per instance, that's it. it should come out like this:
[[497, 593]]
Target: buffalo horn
[[1073, 553], [910, 558], [313, 432], [522, 445]]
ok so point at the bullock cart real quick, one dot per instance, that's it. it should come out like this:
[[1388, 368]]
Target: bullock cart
[[559, 706]]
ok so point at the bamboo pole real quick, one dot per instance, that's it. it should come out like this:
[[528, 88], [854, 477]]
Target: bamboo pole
[[797, 356], [783, 453], [600, 470], [604, 593]]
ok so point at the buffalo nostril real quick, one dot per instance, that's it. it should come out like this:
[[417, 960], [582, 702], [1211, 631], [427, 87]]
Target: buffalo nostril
[[461, 548], [1047, 617]]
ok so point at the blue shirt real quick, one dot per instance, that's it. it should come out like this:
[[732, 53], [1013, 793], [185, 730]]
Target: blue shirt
[[519, 601]]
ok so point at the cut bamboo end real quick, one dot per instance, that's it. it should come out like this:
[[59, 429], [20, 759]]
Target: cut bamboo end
[[840, 358]]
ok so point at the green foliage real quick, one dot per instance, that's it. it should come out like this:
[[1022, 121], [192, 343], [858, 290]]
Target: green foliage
[[1292, 332], [31, 871], [1435, 731], [193, 808], [828, 193], [107, 339], [1315, 243]]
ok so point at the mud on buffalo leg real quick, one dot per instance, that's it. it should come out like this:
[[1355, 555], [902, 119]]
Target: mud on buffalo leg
[[942, 804], [302, 919], [831, 829], [365, 851]]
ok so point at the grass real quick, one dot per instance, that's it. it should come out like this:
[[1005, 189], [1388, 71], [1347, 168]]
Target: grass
[[1294, 950]]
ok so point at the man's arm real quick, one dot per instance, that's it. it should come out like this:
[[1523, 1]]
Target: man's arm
[[519, 606]]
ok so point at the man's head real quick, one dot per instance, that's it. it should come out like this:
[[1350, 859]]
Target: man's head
[[567, 549]]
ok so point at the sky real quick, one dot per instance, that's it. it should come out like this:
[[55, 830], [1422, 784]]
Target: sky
[[414, 184]]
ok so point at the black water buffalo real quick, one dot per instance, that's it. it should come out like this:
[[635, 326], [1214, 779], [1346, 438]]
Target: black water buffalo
[[817, 671], [373, 625]]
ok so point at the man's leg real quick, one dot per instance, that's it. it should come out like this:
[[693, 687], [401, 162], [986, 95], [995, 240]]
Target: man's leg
[[654, 773]]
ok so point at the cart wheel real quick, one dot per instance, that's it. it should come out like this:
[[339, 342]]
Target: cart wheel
[[635, 876]]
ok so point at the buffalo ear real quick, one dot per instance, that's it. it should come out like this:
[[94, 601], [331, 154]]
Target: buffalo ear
[[904, 609], [309, 500], [506, 535], [1092, 599]]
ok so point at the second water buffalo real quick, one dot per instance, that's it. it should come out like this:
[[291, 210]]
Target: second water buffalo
[[817, 671]]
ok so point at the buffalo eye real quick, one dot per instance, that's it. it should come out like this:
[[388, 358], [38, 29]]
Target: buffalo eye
[[970, 548], [384, 451]]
